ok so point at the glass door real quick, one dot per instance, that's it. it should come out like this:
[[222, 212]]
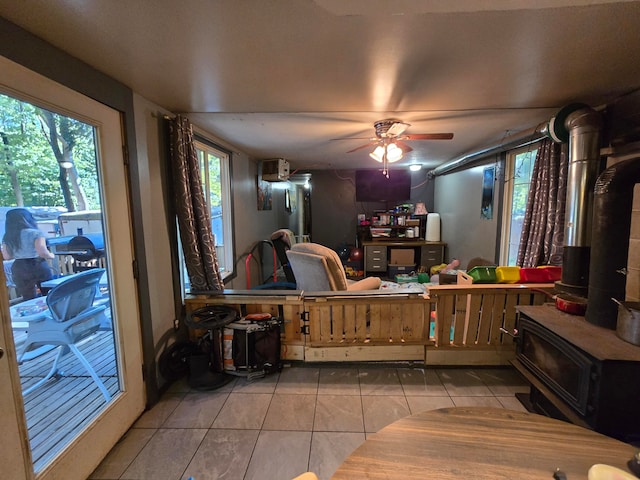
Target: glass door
[[72, 326]]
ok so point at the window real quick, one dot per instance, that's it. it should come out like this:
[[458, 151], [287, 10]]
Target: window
[[518, 168], [215, 169]]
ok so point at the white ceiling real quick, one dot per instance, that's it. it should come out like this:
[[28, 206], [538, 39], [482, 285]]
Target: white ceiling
[[294, 78]]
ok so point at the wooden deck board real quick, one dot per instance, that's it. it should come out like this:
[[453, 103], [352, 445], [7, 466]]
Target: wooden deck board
[[59, 409]]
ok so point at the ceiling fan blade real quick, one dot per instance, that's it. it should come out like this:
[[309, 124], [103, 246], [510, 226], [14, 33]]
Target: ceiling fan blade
[[361, 147], [404, 146], [428, 136], [354, 138]]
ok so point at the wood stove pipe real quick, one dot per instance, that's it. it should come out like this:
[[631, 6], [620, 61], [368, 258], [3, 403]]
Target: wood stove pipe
[[581, 126], [612, 207]]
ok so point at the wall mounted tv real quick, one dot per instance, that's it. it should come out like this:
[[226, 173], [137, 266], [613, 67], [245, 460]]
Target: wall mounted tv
[[373, 186]]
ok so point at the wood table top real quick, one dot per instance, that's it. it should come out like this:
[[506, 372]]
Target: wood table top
[[481, 443]]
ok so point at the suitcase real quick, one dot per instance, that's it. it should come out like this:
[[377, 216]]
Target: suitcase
[[251, 346]]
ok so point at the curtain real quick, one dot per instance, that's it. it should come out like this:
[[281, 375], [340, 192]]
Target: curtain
[[542, 235], [194, 218]]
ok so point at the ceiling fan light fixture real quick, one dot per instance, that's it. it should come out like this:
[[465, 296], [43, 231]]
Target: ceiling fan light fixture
[[394, 153], [414, 167], [378, 153]]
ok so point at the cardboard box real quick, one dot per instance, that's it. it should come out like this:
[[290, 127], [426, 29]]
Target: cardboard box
[[400, 269], [448, 278], [402, 256]]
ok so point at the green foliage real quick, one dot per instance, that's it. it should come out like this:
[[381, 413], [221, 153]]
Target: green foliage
[[522, 179], [26, 151]]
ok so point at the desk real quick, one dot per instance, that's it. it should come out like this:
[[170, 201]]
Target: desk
[[481, 443], [378, 253]]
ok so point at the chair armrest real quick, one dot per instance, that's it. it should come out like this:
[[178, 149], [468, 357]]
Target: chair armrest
[[369, 283]]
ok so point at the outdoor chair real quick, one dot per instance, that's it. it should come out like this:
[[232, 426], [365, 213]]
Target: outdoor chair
[[72, 316]]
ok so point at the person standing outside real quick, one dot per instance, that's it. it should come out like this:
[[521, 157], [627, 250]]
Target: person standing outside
[[25, 243]]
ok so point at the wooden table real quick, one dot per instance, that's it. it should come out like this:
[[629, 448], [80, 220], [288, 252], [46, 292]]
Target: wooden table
[[481, 443]]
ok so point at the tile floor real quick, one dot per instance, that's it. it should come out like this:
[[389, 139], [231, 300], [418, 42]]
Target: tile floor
[[303, 418]]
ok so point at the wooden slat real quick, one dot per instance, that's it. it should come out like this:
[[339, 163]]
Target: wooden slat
[[413, 321], [460, 319], [486, 311], [444, 315], [473, 323], [337, 322], [361, 322], [314, 324], [395, 324], [385, 324], [291, 323], [325, 323], [350, 323], [496, 318], [375, 321]]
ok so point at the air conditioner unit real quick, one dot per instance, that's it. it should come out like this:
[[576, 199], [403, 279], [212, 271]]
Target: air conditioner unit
[[275, 170]]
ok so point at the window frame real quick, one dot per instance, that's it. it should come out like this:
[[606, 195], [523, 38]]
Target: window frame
[[509, 183], [227, 259]]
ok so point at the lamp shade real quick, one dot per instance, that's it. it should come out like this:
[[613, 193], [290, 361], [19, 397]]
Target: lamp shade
[[394, 153], [378, 153]]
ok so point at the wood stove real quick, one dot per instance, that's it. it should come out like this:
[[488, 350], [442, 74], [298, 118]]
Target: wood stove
[[579, 372]]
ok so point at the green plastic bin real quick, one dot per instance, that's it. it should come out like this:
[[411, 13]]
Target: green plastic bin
[[483, 274]]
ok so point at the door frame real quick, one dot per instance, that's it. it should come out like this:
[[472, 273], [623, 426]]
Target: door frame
[[90, 447], [41, 57]]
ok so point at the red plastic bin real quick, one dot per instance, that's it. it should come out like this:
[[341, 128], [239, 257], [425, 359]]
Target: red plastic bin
[[555, 273], [534, 275]]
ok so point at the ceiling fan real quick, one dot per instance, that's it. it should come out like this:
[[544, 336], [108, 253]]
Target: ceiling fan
[[392, 130], [389, 141]]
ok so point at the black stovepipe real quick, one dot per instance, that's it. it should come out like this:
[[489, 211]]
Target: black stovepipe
[[613, 202]]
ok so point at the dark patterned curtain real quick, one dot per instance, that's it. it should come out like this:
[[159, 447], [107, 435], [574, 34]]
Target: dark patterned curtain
[[543, 228], [194, 218]]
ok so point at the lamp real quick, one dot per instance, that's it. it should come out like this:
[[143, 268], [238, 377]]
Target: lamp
[[386, 153]]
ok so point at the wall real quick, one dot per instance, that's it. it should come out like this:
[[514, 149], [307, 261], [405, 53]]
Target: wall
[[251, 225], [335, 211], [151, 163], [457, 199], [152, 224]]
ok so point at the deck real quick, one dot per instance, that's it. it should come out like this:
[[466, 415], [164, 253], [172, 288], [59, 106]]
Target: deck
[[62, 407]]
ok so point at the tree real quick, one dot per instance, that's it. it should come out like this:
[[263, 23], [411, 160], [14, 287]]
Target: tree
[[34, 168], [61, 132], [11, 170]]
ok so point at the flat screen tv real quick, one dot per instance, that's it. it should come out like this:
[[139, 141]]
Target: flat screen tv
[[373, 186]]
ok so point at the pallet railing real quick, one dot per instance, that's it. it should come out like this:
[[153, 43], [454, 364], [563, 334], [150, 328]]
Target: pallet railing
[[468, 321], [453, 324]]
